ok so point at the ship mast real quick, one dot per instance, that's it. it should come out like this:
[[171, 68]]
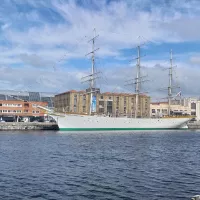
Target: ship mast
[[137, 81], [170, 84], [91, 78]]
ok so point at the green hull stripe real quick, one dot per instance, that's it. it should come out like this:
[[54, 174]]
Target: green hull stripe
[[117, 129]]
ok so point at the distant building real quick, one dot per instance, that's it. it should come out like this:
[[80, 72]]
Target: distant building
[[16, 108], [28, 96], [194, 104], [160, 109], [18, 104], [115, 104], [185, 106]]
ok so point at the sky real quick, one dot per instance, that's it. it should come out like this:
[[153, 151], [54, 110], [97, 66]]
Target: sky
[[44, 43]]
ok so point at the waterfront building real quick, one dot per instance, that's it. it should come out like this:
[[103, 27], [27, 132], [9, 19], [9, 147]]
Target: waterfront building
[[23, 104], [159, 109], [14, 109], [184, 106], [113, 104]]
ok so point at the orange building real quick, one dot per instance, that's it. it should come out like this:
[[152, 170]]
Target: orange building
[[21, 108]]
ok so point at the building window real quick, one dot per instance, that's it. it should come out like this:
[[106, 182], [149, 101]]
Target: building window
[[74, 109], [25, 111], [153, 111], [125, 101], [75, 99], [101, 97], [0, 104], [37, 111], [124, 109], [84, 109], [118, 99], [110, 97], [164, 111], [84, 100], [193, 105], [132, 100], [193, 113]]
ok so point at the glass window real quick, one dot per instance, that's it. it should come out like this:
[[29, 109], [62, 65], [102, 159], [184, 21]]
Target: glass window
[[193, 105], [193, 113], [34, 96], [84, 99]]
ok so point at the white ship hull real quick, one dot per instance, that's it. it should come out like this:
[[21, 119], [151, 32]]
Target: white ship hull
[[100, 123]]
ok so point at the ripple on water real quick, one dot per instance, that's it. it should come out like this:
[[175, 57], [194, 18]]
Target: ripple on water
[[45, 165]]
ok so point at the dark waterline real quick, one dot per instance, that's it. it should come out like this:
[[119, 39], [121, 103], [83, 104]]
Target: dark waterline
[[60, 165]]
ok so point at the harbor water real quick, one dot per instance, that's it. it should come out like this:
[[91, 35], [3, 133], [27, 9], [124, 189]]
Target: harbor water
[[47, 165]]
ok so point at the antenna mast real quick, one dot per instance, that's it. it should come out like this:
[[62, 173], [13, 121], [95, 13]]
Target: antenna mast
[[91, 78]]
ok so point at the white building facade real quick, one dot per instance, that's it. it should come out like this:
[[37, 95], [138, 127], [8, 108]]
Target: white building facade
[[186, 106]]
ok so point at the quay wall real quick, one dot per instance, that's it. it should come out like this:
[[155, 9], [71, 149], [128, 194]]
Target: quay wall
[[194, 125], [28, 126]]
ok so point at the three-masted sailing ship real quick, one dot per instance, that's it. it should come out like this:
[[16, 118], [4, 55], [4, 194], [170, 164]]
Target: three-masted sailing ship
[[78, 122]]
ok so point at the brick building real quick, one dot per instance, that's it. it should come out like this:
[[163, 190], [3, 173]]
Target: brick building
[[115, 104], [17, 108]]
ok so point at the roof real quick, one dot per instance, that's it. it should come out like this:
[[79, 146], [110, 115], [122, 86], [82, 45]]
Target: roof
[[158, 103], [70, 91], [122, 94], [104, 93]]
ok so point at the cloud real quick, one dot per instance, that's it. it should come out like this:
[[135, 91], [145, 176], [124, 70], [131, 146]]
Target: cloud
[[35, 60], [41, 34]]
